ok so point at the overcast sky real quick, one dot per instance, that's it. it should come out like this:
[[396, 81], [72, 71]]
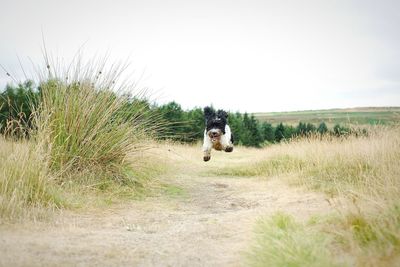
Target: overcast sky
[[238, 55]]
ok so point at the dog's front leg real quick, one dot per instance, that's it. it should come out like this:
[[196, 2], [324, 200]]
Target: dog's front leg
[[227, 140], [207, 146]]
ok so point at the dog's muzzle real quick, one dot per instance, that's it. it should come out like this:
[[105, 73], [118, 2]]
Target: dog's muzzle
[[214, 135]]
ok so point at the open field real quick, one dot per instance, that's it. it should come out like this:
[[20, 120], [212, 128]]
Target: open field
[[364, 172], [92, 187], [192, 218], [313, 202], [354, 116]]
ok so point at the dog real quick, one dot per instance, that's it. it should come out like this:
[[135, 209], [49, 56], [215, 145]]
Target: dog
[[217, 133]]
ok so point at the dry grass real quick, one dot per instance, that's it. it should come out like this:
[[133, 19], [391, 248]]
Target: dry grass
[[87, 121], [363, 170], [90, 137], [26, 189], [337, 166]]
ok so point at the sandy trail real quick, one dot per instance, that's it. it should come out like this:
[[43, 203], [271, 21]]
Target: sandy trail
[[210, 225]]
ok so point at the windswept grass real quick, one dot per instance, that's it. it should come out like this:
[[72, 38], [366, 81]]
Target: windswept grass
[[363, 170], [90, 134], [87, 122]]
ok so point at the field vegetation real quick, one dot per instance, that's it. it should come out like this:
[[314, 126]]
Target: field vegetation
[[351, 116], [83, 136], [360, 172]]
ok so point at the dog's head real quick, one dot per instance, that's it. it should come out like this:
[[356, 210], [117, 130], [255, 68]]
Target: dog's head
[[215, 122]]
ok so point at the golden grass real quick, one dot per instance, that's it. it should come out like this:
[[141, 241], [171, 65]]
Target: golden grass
[[29, 190], [87, 122], [363, 164], [90, 137], [26, 190], [363, 170]]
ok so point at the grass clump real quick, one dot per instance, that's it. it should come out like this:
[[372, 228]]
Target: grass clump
[[87, 124], [281, 241], [89, 134]]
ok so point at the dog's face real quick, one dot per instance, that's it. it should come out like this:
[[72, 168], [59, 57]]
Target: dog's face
[[215, 123]]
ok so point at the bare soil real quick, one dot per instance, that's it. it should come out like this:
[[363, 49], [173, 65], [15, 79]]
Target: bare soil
[[209, 222]]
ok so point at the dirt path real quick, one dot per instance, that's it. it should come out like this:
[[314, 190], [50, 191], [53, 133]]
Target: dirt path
[[210, 224]]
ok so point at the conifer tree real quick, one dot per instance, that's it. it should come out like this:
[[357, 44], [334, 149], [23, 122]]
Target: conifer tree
[[322, 128], [279, 132], [268, 132]]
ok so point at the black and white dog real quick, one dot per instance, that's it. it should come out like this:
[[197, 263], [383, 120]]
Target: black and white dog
[[217, 134]]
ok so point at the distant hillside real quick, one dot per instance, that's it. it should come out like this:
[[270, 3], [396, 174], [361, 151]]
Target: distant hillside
[[360, 116]]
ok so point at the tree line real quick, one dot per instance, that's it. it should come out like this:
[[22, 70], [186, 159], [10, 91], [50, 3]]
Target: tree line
[[17, 102], [188, 126]]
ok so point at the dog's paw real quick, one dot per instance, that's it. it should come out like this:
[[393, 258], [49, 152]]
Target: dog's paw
[[229, 149], [206, 158]]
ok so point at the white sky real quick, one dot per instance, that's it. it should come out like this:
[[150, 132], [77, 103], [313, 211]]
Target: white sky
[[238, 55]]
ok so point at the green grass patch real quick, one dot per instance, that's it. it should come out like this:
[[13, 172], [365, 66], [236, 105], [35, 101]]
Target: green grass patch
[[342, 239], [174, 191], [281, 241]]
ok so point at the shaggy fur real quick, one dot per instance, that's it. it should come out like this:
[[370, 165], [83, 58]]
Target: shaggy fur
[[217, 134]]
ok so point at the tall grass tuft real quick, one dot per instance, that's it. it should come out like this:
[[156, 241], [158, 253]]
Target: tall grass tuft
[[90, 131], [87, 121]]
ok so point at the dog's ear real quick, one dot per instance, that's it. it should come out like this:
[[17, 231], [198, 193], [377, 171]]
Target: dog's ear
[[208, 112], [222, 114]]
